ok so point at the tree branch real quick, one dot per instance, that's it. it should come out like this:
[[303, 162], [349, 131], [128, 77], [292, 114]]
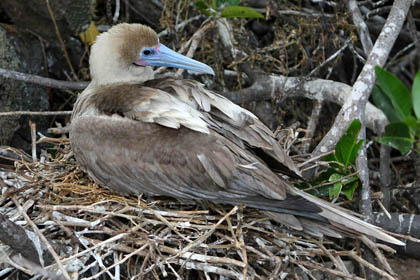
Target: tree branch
[[362, 28], [267, 87], [354, 107]]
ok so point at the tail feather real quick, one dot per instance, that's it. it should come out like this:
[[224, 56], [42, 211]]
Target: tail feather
[[286, 219], [341, 218], [319, 229]]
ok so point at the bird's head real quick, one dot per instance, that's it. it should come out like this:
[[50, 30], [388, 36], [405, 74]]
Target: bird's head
[[126, 51]]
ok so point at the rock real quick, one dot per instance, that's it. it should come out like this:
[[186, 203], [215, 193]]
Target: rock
[[72, 17], [148, 12], [20, 51]]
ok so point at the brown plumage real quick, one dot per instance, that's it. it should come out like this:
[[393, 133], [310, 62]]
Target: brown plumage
[[134, 134]]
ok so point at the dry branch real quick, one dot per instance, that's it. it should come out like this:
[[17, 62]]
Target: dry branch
[[47, 82]]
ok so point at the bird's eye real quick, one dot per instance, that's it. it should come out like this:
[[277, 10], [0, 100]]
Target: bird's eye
[[147, 52]]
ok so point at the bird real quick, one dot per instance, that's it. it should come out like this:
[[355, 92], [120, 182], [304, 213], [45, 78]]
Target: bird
[[135, 134]]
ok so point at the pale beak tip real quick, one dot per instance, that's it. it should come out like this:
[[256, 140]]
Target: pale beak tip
[[211, 71]]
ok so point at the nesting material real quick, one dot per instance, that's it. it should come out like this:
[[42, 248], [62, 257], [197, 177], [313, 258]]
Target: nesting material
[[85, 231]]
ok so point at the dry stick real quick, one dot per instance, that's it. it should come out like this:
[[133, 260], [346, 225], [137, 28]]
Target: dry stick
[[165, 249], [32, 113], [127, 10], [32, 125], [179, 26], [312, 124], [354, 106], [119, 262], [328, 270], [331, 58], [379, 255], [117, 11], [48, 82], [331, 182], [207, 234], [58, 130], [42, 237], [170, 225], [195, 40], [336, 260], [362, 28], [385, 171], [370, 266], [63, 46], [312, 159]]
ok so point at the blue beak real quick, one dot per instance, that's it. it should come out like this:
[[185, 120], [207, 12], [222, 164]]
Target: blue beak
[[164, 56]]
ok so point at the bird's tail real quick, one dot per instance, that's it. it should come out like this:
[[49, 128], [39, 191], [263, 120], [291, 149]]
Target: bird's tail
[[341, 221]]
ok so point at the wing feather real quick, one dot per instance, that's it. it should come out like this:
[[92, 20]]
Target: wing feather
[[234, 122]]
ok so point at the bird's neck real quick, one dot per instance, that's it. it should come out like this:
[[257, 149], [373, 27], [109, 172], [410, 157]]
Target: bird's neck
[[106, 76]]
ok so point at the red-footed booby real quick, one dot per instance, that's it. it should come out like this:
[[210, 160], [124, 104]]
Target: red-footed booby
[[133, 134]]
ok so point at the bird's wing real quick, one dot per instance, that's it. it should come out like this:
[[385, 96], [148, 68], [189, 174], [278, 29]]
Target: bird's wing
[[146, 104], [133, 157], [230, 120]]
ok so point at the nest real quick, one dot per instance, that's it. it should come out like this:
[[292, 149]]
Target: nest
[[83, 231]]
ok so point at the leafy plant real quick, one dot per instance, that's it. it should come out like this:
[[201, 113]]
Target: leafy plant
[[226, 9], [341, 176], [402, 109]]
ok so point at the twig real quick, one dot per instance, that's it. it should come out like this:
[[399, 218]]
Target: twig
[[336, 260], [328, 270], [312, 124], [331, 58], [59, 130], [331, 182], [117, 11], [42, 237], [379, 255], [32, 125], [63, 46], [370, 266], [208, 233], [194, 41], [47, 82], [179, 26], [30, 113], [385, 171], [362, 28]]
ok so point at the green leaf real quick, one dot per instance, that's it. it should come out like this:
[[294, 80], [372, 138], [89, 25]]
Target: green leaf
[[411, 123], [347, 147], [402, 144], [335, 190], [397, 135], [417, 130], [349, 190], [398, 129], [240, 12], [203, 7], [383, 102], [396, 91], [415, 95]]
